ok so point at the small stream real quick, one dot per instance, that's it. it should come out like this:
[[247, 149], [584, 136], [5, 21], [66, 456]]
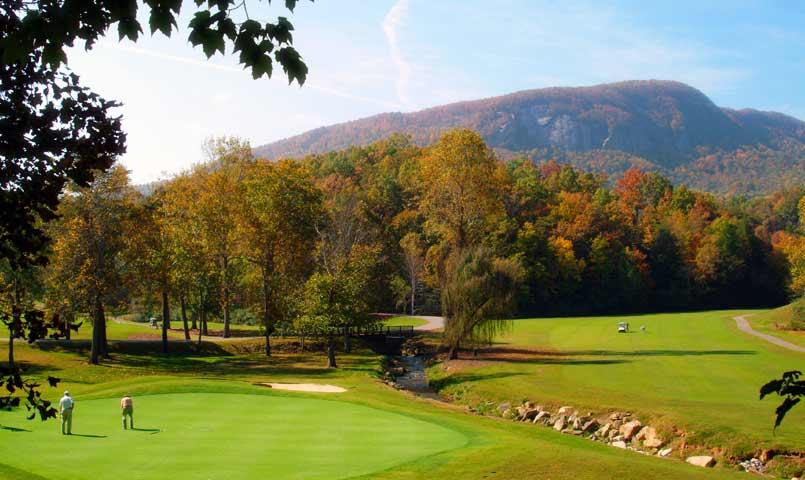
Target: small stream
[[415, 379]]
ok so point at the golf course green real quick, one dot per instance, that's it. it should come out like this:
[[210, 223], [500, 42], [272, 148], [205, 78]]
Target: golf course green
[[196, 435], [202, 416]]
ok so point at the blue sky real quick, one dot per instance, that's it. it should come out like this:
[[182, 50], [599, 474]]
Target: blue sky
[[367, 57]]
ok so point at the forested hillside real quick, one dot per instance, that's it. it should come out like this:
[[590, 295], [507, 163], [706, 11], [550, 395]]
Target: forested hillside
[[324, 240], [665, 127]]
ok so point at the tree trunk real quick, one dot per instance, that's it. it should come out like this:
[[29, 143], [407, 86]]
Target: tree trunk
[[347, 341], [199, 335], [453, 353], [202, 314], [193, 324], [413, 293], [266, 310], [183, 305], [166, 312], [225, 295], [97, 326], [16, 323], [11, 348], [331, 352]]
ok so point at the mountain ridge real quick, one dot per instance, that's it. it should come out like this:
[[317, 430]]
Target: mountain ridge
[[671, 125]]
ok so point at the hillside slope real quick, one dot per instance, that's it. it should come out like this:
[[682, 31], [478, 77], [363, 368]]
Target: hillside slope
[[664, 126]]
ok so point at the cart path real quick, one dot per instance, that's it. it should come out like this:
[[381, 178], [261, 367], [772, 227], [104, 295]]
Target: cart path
[[434, 323], [744, 326]]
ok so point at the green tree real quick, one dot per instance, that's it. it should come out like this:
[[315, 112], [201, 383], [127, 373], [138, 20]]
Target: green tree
[[282, 207], [151, 255], [480, 289], [19, 288], [335, 298], [89, 241], [413, 260]]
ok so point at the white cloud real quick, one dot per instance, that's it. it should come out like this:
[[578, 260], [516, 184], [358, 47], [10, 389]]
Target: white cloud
[[323, 88], [392, 23]]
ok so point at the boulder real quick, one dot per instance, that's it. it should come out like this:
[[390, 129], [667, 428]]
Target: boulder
[[653, 442], [565, 411], [619, 444], [603, 432], [560, 423], [665, 452], [650, 437], [542, 416], [577, 423], [590, 426], [641, 435], [615, 416], [701, 461], [766, 455], [528, 414], [503, 407], [630, 429]]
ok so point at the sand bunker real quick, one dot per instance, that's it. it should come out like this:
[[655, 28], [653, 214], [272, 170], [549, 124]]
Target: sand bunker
[[305, 387]]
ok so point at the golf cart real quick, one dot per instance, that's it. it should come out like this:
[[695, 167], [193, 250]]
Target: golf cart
[[154, 323], [623, 327]]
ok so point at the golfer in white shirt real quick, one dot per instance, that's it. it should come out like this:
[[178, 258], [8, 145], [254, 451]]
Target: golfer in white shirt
[[66, 410]]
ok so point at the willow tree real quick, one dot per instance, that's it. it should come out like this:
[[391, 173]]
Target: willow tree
[[479, 290], [281, 208]]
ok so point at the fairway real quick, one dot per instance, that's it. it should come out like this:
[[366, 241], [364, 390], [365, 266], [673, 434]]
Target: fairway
[[693, 370], [222, 436]]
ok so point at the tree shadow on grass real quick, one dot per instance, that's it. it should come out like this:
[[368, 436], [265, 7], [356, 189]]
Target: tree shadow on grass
[[459, 378], [87, 435], [245, 366], [504, 351], [28, 368], [13, 429]]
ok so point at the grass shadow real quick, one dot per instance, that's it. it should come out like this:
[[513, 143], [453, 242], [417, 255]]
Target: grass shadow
[[13, 429], [87, 435], [460, 378], [153, 431], [612, 353]]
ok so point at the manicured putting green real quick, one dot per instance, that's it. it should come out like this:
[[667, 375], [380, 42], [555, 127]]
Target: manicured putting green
[[221, 436]]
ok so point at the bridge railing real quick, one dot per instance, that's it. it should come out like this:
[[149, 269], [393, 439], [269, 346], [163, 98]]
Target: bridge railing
[[365, 331]]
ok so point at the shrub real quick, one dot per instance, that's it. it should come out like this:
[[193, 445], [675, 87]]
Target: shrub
[[798, 314], [243, 316]]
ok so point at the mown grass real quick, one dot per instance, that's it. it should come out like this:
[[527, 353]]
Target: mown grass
[[404, 320], [492, 448], [777, 322], [118, 329], [692, 370]]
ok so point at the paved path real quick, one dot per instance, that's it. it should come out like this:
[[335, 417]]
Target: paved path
[[434, 323], [744, 326]]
